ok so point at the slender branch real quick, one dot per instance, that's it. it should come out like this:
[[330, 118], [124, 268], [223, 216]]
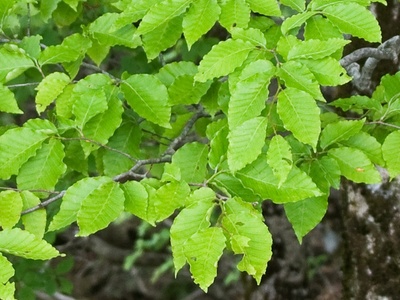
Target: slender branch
[[22, 84], [384, 124], [44, 203]]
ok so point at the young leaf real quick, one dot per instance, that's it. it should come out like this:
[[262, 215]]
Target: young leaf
[[234, 13], [321, 4], [218, 147], [190, 220], [279, 158], [390, 150], [49, 89], [304, 215], [355, 165], [102, 206], [320, 28], [260, 178], [248, 235], [251, 35], [148, 97], [72, 201], [367, 144], [295, 21], [223, 59], [199, 19], [41, 125], [34, 222], [298, 5], [325, 172], [185, 91], [42, 171], [300, 115], [10, 209], [24, 244], [233, 187], [246, 142], [192, 161], [354, 19], [203, 251], [316, 49], [17, 145], [342, 130], [170, 72], [7, 289], [13, 62], [265, 7], [8, 102], [161, 13]]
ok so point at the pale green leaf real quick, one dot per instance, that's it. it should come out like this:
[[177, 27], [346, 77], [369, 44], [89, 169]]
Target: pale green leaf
[[49, 89], [98, 52], [10, 208], [8, 103], [321, 4], [265, 7], [189, 221], [246, 142], [185, 91], [297, 75], [161, 13], [304, 215], [72, 201], [223, 59], [203, 251], [192, 161], [170, 72], [203, 194], [35, 222], [251, 35], [325, 172], [41, 125], [300, 115], [320, 28], [72, 47], [199, 19], [355, 165], [279, 158], [342, 130], [31, 45], [171, 173], [42, 171], [367, 144], [233, 186], [284, 43], [13, 62], [7, 289], [260, 178], [357, 102], [248, 235], [88, 105], [218, 147], [17, 145], [47, 8], [234, 13], [327, 71], [316, 49], [354, 19], [148, 97], [295, 21], [24, 244], [162, 37], [298, 5], [65, 101], [170, 197], [391, 154], [102, 206]]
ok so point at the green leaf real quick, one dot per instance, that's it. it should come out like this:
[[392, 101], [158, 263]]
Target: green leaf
[[189, 221], [320, 28], [203, 251], [13, 62], [102, 206], [265, 7], [327, 71], [304, 215], [357, 102], [108, 30], [367, 144], [199, 19], [72, 201], [8, 102], [41, 125], [300, 115], [47, 8], [321, 4], [248, 235], [170, 72], [298, 5], [279, 158], [390, 150], [246, 142], [67, 51], [342, 130], [35, 222], [295, 21], [223, 59], [185, 91], [192, 161], [148, 97], [7, 289], [354, 19], [24, 244], [10, 209], [42, 171], [297, 75], [234, 13], [218, 147], [17, 145], [233, 186], [161, 13], [252, 35], [260, 178], [49, 89], [162, 37], [316, 49], [325, 172], [355, 165]]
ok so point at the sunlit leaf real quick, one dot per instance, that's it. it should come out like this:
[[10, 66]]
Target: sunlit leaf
[[10, 208]]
